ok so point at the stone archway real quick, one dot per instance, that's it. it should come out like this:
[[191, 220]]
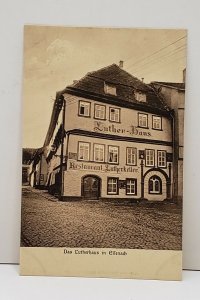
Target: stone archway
[[155, 185]]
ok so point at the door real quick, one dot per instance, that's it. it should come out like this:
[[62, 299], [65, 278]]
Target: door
[[91, 187]]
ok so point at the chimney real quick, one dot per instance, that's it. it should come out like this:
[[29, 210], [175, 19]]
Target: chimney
[[121, 64], [142, 79]]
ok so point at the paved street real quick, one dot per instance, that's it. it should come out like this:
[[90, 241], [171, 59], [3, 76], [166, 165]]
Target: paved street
[[46, 222]]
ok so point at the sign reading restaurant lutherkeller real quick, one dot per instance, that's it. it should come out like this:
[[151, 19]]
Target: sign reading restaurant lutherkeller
[[102, 167], [111, 160]]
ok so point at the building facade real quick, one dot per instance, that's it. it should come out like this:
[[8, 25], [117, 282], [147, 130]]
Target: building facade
[[38, 169], [27, 158], [110, 137], [173, 95]]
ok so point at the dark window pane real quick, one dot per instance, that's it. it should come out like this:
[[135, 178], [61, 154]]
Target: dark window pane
[[82, 110]]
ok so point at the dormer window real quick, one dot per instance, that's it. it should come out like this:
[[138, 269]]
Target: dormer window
[[140, 96], [110, 89]]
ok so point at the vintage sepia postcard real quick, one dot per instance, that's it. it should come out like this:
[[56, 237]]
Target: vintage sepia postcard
[[102, 173]]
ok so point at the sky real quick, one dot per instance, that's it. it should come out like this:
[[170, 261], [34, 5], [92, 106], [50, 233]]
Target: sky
[[55, 56]]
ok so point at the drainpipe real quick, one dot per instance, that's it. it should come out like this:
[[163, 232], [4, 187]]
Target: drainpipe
[[174, 156], [62, 146], [67, 147], [62, 175], [169, 182], [142, 179]]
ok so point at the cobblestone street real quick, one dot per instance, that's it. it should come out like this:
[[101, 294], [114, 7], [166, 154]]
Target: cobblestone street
[[47, 222]]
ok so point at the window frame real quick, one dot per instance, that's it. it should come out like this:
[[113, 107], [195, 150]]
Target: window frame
[[159, 129], [137, 94], [89, 150], [106, 86], [135, 181], [96, 104], [131, 164], [119, 109], [79, 106], [146, 165], [165, 166], [143, 114], [160, 182], [113, 163], [98, 161], [117, 190]]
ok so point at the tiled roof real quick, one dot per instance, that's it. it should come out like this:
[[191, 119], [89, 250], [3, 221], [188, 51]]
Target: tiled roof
[[114, 74], [124, 82], [54, 116], [176, 85]]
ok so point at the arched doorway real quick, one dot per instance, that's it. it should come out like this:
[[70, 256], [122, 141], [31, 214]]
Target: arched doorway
[[91, 185]]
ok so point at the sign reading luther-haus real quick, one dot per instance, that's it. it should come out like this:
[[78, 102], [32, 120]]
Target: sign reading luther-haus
[[113, 129]]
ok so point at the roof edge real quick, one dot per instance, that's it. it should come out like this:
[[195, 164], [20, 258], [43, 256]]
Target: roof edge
[[169, 86], [114, 101]]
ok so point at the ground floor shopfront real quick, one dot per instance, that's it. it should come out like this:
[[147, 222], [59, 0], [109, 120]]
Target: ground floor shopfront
[[153, 185], [105, 169]]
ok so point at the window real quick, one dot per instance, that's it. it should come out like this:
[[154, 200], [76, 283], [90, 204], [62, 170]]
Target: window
[[143, 120], [113, 154], [149, 157], [155, 185], [110, 89], [83, 151], [131, 156], [131, 186], [99, 111], [157, 122], [162, 159], [99, 151], [112, 186], [84, 108], [114, 114], [139, 96]]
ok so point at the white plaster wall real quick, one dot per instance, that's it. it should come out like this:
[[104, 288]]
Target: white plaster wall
[[75, 170], [72, 184], [129, 117]]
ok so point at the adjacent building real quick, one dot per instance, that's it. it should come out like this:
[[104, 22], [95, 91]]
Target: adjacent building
[[27, 156], [38, 169], [173, 94], [110, 136]]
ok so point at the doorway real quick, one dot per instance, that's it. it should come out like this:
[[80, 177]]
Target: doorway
[[91, 187]]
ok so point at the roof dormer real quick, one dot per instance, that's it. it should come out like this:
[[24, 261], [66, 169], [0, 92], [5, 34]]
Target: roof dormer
[[110, 89], [140, 96]]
